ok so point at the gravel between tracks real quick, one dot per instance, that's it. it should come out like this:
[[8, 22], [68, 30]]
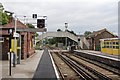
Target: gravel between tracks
[[68, 73]]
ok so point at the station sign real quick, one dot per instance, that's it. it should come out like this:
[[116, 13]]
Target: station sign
[[1, 39], [16, 34]]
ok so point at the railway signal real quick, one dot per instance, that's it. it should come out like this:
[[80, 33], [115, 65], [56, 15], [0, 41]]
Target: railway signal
[[34, 16], [40, 23]]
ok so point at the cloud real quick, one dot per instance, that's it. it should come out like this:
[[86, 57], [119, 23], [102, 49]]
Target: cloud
[[81, 15]]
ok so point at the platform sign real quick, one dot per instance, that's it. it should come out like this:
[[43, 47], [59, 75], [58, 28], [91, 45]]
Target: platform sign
[[1, 39], [16, 35]]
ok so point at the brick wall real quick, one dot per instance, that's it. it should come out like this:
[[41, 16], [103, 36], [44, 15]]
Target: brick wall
[[5, 49], [25, 50], [30, 44], [103, 35], [28, 50]]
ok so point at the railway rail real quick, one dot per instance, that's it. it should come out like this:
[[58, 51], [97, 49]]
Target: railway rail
[[102, 65], [82, 67], [115, 63], [65, 72], [84, 70]]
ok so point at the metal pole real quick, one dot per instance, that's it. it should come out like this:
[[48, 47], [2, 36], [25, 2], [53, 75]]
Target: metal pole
[[66, 42], [66, 26], [10, 54], [20, 50], [15, 47], [24, 20], [19, 53], [42, 39]]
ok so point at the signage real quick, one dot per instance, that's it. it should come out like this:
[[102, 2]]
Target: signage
[[1, 39], [16, 35]]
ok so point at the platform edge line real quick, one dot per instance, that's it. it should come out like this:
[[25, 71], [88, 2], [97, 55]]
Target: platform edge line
[[56, 72]]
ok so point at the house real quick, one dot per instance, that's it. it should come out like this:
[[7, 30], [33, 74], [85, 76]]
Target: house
[[83, 43], [94, 38], [24, 42]]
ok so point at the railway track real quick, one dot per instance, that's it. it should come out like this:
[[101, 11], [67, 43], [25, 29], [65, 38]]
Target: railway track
[[85, 72], [114, 63], [95, 68], [105, 66], [65, 72], [86, 69]]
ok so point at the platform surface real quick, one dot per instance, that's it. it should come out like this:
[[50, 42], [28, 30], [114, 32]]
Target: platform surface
[[45, 69], [98, 53]]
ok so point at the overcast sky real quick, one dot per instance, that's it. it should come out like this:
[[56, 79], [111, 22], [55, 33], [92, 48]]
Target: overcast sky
[[81, 15]]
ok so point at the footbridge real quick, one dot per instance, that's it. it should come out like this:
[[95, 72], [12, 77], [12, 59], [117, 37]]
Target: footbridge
[[83, 42]]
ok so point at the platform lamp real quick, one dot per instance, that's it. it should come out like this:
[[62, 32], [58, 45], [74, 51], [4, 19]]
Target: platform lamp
[[10, 32], [66, 26]]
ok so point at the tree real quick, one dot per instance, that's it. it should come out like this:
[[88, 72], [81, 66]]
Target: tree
[[87, 33], [4, 17], [1, 7], [30, 25], [36, 34], [72, 32], [59, 30]]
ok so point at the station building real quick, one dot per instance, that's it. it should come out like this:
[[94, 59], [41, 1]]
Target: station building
[[24, 43], [94, 38]]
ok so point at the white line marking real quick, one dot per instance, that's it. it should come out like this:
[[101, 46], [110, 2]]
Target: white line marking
[[116, 59], [56, 72]]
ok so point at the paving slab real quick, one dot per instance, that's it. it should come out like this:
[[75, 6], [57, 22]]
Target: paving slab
[[26, 69]]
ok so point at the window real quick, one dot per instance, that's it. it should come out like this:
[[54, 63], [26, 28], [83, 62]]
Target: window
[[113, 42], [107, 42], [110, 46], [110, 42], [114, 47], [117, 47], [117, 43]]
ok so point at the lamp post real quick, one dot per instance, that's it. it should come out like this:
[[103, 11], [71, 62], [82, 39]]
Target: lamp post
[[16, 54], [24, 20], [66, 26], [15, 41], [10, 31]]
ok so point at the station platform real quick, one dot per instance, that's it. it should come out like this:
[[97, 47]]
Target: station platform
[[98, 53], [45, 69], [111, 60], [23, 71]]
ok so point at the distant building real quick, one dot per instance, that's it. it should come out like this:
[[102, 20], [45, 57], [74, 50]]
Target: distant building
[[83, 43], [94, 38], [27, 41]]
